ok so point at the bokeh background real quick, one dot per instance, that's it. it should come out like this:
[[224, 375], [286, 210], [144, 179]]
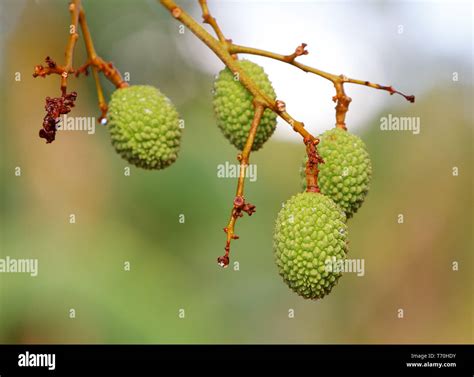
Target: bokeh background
[[136, 218]]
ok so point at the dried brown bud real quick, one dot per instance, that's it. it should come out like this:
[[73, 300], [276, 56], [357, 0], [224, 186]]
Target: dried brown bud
[[280, 105], [239, 201], [301, 50], [223, 261], [55, 107], [176, 12]]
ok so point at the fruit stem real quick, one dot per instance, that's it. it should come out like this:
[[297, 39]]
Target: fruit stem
[[107, 68], [239, 204], [98, 65], [74, 8], [208, 19], [342, 104], [52, 67], [312, 171]]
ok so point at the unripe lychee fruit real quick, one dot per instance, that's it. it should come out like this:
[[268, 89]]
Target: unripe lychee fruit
[[234, 107], [310, 235], [346, 172], [144, 126]]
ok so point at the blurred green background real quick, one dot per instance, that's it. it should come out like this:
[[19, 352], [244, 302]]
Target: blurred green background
[[136, 218]]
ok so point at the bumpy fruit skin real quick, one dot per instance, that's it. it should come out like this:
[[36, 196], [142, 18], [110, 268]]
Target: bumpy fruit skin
[[234, 108], [144, 126], [310, 232], [347, 169]]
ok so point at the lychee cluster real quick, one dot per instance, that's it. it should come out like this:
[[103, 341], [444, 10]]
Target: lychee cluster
[[144, 127], [233, 106], [310, 237]]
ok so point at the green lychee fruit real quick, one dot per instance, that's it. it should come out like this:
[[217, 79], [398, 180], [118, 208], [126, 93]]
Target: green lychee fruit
[[234, 108], [346, 172], [144, 126], [308, 242]]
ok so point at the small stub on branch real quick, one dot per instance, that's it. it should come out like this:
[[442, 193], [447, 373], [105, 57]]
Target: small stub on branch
[[51, 67], [241, 206], [280, 105], [176, 12], [300, 50]]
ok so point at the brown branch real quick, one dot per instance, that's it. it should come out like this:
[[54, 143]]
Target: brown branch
[[208, 19], [74, 9], [98, 65], [389, 89], [50, 69], [84, 69], [300, 50], [342, 103], [341, 99], [60, 105], [100, 97], [95, 61], [55, 107], [240, 205], [51, 66], [312, 170]]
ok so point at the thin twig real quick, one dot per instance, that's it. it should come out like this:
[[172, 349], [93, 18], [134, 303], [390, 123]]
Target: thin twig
[[240, 205], [107, 68], [208, 19], [237, 49], [312, 165], [341, 99], [95, 62], [98, 65], [74, 9], [66, 69]]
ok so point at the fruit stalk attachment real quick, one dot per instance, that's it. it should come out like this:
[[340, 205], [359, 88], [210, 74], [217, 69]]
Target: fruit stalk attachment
[[98, 65], [314, 159]]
